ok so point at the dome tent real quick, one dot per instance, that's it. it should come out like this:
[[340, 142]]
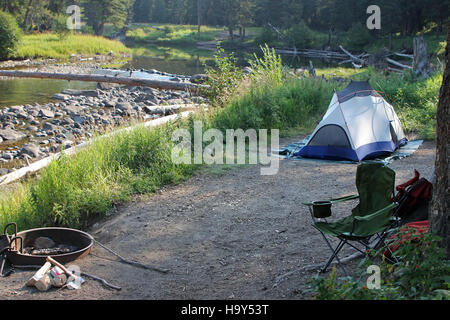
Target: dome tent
[[359, 124]]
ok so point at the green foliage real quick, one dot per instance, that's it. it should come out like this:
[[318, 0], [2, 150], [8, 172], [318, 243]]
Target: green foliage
[[170, 34], [414, 100], [100, 12], [224, 78], [10, 35], [421, 273], [290, 104], [267, 69], [303, 37], [60, 26], [357, 37]]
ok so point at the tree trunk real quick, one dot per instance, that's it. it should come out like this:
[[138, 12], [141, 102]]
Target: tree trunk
[[439, 214], [421, 65], [390, 41], [27, 14], [230, 31], [199, 14]]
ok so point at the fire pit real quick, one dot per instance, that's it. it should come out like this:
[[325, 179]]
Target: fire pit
[[64, 245]]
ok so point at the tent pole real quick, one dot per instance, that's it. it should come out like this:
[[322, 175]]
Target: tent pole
[[346, 125]]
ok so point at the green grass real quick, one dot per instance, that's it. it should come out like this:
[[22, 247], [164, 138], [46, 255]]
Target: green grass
[[170, 34], [76, 190], [49, 45], [414, 100]]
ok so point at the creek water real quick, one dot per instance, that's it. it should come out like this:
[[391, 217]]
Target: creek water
[[186, 60]]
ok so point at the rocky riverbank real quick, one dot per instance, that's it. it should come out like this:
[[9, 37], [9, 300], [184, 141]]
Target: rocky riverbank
[[34, 131]]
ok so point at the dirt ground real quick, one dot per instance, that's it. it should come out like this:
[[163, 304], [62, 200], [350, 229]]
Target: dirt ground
[[223, 234]]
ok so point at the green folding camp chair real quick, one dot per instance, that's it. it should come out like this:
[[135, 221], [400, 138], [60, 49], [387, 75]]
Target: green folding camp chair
[[370, 220]]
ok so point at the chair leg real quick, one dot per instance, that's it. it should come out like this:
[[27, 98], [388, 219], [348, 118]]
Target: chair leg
[[334, 255]]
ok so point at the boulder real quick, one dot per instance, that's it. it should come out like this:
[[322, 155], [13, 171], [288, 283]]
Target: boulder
[[31, 150], [10, 134], [46, 113]]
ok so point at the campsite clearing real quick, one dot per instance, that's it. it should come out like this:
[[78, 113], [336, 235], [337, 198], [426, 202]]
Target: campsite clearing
[[223, 234]]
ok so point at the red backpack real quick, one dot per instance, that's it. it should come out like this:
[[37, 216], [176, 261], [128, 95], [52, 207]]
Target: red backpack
[[413, 197]]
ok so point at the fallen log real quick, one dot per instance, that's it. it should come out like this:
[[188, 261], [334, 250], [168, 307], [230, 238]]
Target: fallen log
[[404, 55], [353, 57], [158, 84], [398, 64]]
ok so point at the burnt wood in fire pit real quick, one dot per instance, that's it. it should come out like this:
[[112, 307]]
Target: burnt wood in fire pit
[[71, 244]]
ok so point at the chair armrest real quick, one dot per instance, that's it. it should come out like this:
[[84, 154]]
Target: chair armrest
[[376, 213], [346, 198], [353, 196]]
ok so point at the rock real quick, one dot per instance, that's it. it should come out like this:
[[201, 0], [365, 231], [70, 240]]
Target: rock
[[110, 103], [153, 110], [16, 109], [67, 144], [31, 150], [79, 119], [46, 113], [10, 134], [107, 86], [7, 156], [199, 78], [49, 127], [168, 110], [44, 243], [59, 96], [175, 101], [125, 107], [86, 93], [32, 128]]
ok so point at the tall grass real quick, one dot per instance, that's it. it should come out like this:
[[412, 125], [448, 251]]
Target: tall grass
[[49, 45], [274, 99], [76, 190]]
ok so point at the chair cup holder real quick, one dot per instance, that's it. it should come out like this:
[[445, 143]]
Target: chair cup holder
[[321, 209]]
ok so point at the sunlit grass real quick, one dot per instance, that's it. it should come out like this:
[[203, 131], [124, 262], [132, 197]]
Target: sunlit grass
[[49, 45], [169, 33]]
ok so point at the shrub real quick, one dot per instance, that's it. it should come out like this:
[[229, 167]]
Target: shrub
[[421, 273], [357, 37], [224, 78], [10, 34], [60, 26], [304, 37]]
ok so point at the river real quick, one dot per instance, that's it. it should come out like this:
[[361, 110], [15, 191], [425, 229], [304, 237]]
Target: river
[[187, 60]]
